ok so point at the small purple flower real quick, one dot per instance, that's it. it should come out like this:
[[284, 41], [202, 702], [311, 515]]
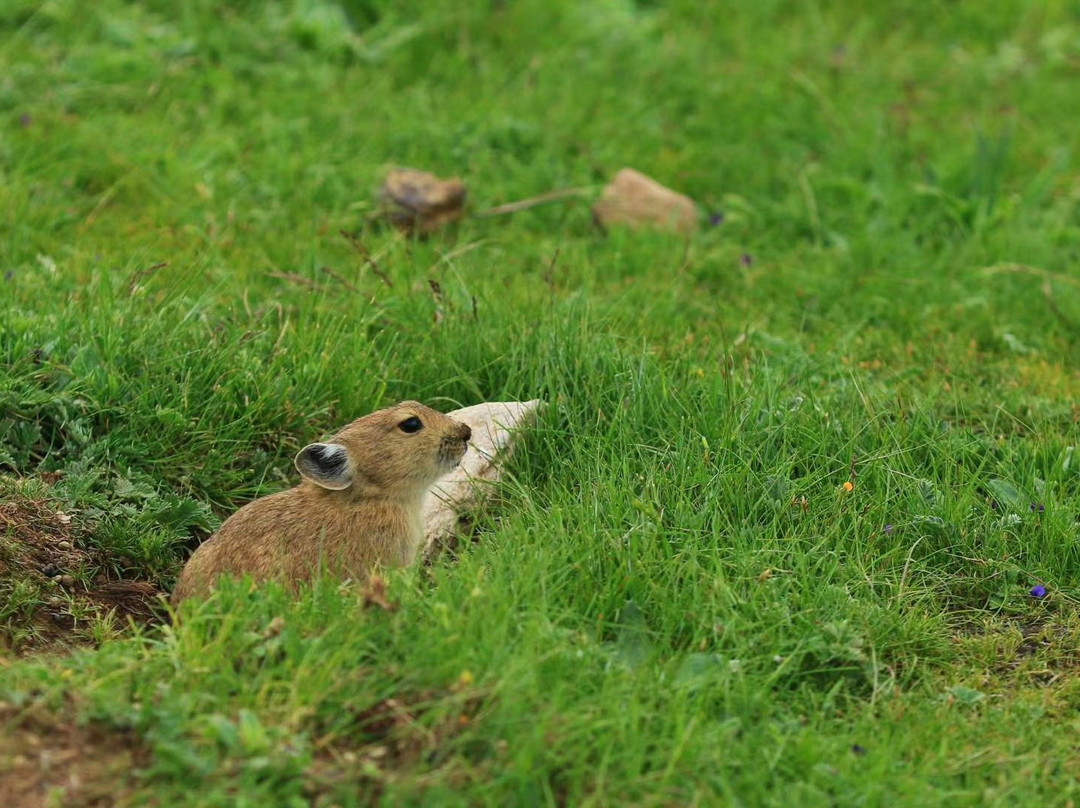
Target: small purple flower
[[1038, 592], [25, 120], [716, 218], [888, 529], [1037, 506], [9, 274], [858, 750], [746, 259]]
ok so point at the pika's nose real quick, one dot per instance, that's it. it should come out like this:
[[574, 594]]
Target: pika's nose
[[466, 432]]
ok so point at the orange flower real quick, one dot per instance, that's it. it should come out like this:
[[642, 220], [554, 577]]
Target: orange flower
[[849, 486]]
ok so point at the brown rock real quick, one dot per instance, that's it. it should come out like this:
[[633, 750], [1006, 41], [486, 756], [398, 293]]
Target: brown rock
[[635, 200], [419, 202]]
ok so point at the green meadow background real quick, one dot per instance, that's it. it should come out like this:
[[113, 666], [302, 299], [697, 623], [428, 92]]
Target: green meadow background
[[676, 601]]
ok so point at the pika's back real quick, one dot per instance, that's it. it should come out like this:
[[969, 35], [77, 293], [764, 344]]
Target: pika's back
[[358, 505]]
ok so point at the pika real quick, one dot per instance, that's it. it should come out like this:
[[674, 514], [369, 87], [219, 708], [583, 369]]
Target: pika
[[357, 506]]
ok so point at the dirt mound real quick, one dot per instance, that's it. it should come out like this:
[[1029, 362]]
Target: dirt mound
[[56, 589]]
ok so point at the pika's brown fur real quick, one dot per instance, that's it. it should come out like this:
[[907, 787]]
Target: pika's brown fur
[[358, 504]]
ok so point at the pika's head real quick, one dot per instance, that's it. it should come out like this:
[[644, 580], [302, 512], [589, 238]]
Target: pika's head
[[396, 452]]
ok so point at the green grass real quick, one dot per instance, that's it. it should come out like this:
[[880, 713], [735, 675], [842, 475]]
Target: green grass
[[677, 602]]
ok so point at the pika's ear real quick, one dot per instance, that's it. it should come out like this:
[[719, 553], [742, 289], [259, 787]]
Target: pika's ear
[[325, 464]]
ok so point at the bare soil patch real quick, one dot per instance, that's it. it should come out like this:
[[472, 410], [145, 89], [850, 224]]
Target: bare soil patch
[[54, 585], [387, 741], [46, 760], [1040, 649]]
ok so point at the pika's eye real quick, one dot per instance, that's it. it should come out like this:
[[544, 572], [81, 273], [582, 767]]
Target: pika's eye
[[411, 425]]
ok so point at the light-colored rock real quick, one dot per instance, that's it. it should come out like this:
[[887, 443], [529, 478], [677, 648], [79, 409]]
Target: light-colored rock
[[470, 484], [635, 200], [417, 201]]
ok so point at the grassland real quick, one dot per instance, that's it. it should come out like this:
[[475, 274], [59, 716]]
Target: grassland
[[678, 600]]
